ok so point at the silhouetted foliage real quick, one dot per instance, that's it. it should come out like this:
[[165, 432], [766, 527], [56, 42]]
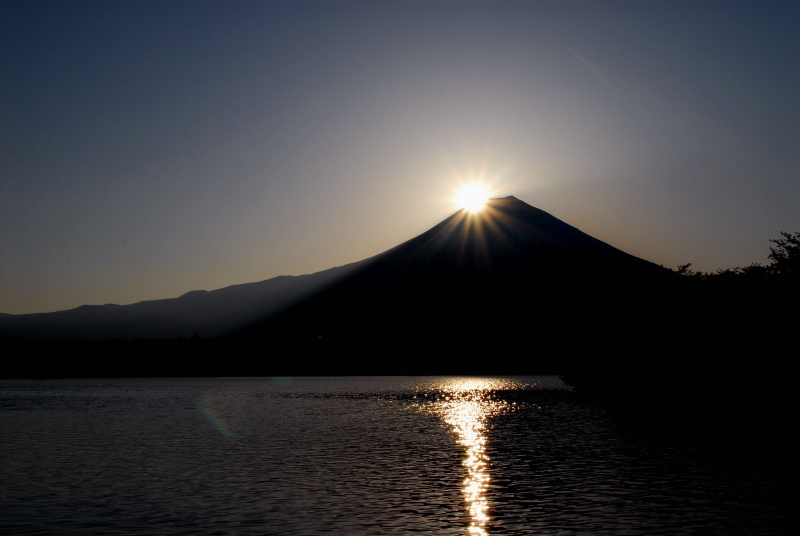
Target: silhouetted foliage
[[785, 257], [755, 270]]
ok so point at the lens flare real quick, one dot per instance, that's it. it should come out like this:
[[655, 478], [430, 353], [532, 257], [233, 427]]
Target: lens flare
[[215, 419]]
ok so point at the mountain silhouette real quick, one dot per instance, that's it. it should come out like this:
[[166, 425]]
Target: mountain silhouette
[[508, 279]]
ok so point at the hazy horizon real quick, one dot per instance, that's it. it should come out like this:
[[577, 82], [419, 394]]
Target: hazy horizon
[[151, 149]]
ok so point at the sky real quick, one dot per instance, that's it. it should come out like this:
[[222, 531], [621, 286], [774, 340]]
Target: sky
[[148, 148]]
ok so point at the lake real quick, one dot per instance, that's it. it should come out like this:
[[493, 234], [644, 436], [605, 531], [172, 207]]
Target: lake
[[358, 455]]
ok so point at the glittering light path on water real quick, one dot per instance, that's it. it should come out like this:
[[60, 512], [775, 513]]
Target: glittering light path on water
[[466, 405]]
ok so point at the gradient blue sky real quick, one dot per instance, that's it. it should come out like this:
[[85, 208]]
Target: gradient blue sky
[[151, 148]]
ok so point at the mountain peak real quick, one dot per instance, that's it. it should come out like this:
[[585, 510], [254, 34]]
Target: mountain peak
[[507, 231]]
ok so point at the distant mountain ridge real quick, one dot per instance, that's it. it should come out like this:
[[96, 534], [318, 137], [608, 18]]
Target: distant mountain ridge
[[209, 313], [496, 250]]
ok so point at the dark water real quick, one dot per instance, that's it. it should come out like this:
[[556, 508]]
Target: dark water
[[353, 456]]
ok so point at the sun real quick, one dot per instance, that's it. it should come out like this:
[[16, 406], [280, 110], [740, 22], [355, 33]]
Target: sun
[[473, 196]]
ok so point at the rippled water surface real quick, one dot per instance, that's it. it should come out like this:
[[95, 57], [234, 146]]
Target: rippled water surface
[[352, 456]]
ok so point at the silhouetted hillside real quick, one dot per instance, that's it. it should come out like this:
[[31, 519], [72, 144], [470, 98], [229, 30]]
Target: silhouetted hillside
[[508, 289], [209, 313]]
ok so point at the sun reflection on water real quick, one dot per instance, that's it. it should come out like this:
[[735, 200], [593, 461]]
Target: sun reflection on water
[[466, 405]]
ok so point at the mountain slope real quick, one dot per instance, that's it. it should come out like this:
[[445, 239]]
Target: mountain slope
[[509, 276], [510, 281]]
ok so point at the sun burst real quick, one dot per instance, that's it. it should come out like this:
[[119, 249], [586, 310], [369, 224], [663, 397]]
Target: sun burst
[[473, 196]]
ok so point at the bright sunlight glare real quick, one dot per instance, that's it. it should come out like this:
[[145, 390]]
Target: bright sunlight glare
[[473, 196]]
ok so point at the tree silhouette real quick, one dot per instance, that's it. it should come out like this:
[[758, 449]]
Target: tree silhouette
[[785, 256]]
